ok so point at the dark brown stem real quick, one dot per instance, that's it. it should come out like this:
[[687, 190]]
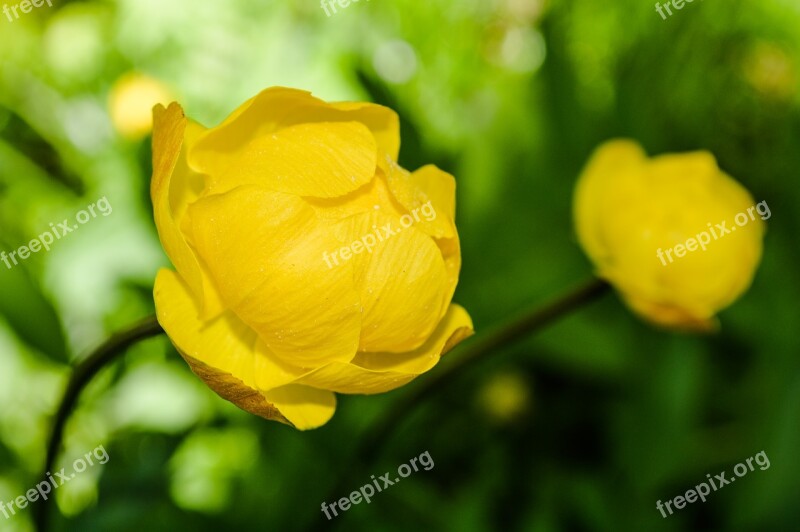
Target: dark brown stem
[[83, 374]]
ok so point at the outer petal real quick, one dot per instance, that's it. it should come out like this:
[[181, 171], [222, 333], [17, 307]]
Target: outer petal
[[451, 252], [305, 407], [234, 390], [382, 121], [414, 191], [402, 281], [173, 187], [432, 193], [266, 251], [372, 373], [279, 107], [615, 166], [169, 127], [224, 352], [322, 160], [374, 196]]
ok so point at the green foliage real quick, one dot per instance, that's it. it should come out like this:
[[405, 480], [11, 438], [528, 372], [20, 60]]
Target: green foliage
[[29, 313], [511, 97]]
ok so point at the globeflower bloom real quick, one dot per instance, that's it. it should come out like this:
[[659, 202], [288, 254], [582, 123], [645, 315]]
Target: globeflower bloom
[[677, 237], [307, 261]]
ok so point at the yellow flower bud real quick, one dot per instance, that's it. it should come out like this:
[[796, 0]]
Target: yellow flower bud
[[677, 237], [307, 261]]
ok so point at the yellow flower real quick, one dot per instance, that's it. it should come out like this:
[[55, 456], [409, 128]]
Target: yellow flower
[[131, 102], [308, 262], [677, 237]]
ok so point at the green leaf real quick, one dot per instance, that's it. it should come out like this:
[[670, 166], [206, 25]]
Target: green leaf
[[29, 313]]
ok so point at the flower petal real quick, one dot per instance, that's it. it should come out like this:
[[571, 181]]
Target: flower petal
[[401, 280], [224, 352], [614, 163], [382, 121], [322, 160], [375, 195], [225, 342], [279, 107], [173, 187], [414, 190], [305, 407], [265, 250], [432, 194], [371, 373], [451, 252], [168, 133]]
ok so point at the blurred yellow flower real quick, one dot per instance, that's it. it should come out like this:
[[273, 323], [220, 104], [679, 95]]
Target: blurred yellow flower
[[677, 237], [505, 397], [131, 102], [250, 213]]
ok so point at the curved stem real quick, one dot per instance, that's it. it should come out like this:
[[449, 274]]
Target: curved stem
[[374, 439], [83, 374], [533, 321]]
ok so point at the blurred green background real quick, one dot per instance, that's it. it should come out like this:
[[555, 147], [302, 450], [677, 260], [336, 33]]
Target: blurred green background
[[583, 427]]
